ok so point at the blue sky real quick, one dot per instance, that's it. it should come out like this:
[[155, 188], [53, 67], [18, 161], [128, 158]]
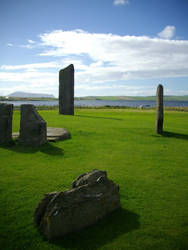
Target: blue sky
[[118, 47]]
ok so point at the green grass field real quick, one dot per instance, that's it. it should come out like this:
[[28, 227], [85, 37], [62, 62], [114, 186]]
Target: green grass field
[[151, 170]]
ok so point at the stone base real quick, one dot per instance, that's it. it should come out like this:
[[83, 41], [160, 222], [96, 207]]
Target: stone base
[[57, 134], [53, 134]]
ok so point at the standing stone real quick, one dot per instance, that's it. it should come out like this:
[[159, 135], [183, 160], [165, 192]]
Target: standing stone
[[66, 90], [159, 106], [91, 197], [6, 112], [32, 127]]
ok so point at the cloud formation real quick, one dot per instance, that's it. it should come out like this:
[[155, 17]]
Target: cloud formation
[[9, 44], [32, 66], [168, 32], [31, 41], [116, 57], [102, 61], [121, 2]]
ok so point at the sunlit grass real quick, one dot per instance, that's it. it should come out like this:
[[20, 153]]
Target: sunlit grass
[[151, 171]]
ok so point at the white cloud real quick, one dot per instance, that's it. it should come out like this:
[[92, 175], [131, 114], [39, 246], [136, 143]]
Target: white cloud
[[30, 45], [27, 46], [117, 57], [30, 66], [31, 41], [129, 89], [168, 32], [29, 81], [121, 2], [28, 76], [9, 44], [100, 60]]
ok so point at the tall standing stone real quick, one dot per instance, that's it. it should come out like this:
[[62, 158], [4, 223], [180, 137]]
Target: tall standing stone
[[33, 129], [159, 107], [66, 90], [6, 112]]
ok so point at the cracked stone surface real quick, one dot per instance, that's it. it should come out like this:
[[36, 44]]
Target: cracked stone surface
[[91, 197]]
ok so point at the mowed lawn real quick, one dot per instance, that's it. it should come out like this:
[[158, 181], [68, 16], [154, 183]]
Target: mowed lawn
[[151, 170]]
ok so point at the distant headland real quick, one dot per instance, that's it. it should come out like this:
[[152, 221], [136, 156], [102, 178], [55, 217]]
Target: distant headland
[[16, 96], [30, 95]]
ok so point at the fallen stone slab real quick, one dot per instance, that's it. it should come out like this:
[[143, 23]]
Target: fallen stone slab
[[57, 134], [91, 197], [53, 134]]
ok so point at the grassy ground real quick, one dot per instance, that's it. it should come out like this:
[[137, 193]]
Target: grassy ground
[[151, 171]]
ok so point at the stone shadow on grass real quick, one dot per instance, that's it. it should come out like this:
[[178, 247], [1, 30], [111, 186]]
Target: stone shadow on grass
[[175, 135], [117, 223], [172, 135], [98, 117], [47, 148]]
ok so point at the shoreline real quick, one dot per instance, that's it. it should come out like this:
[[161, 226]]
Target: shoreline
[[100, 98], [182, 109]]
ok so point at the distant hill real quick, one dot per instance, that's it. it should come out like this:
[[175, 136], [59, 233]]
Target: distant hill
[[33, 96], [30, 95]]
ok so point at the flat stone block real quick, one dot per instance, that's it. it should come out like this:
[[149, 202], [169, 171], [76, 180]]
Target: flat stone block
[[53, 134], [57, 134]]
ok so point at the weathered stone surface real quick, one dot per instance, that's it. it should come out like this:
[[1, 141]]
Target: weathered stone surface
[[53, 134], [66, 90], [32, 127], [6, 112], [57, 134], [159, 109], [91, 197]]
